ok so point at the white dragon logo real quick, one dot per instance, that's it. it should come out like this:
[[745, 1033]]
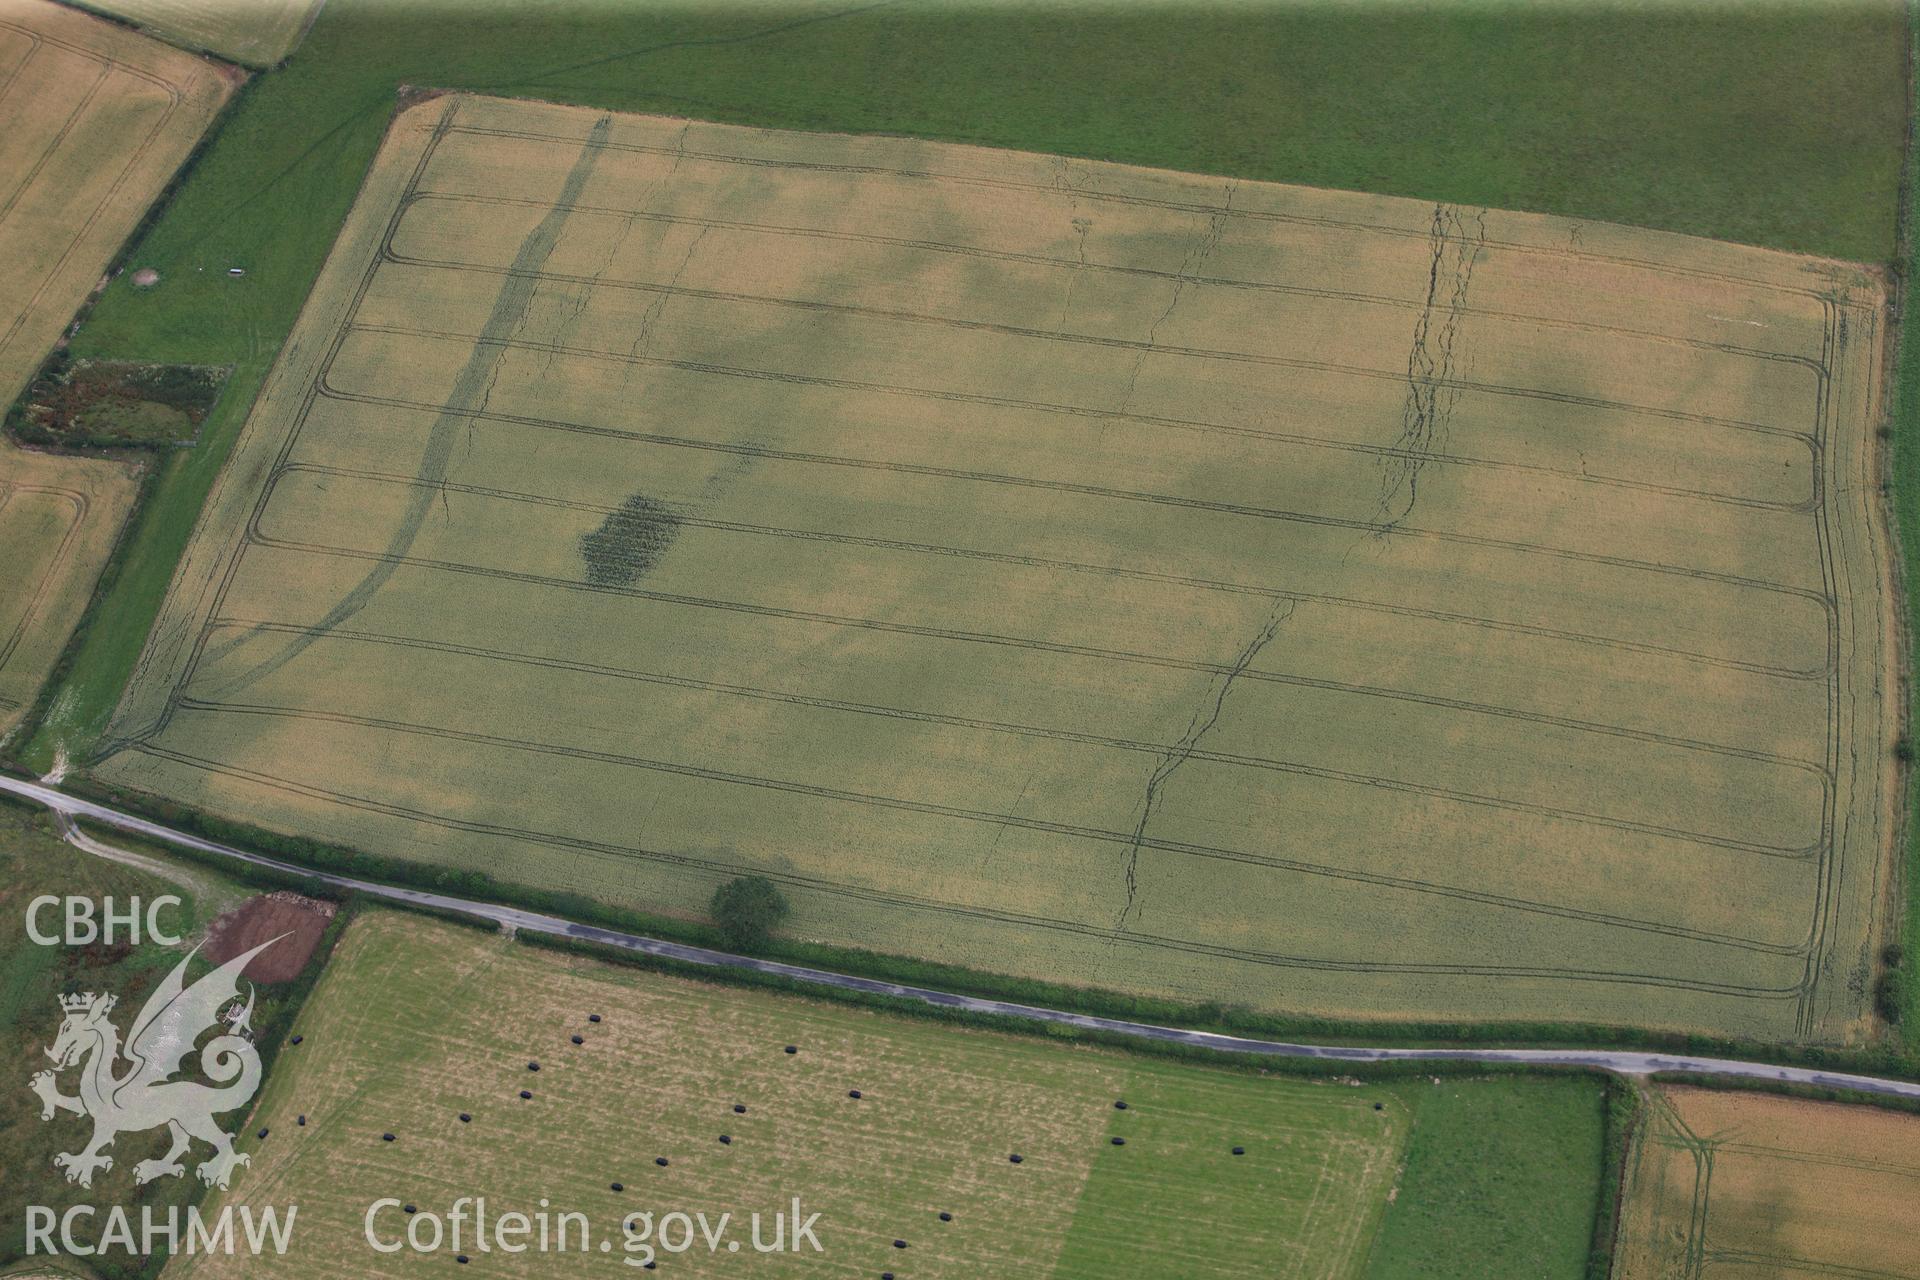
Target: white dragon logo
[[145, 1096]]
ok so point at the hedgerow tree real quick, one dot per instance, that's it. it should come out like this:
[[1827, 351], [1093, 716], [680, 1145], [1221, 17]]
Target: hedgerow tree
[[1890, 988], [748, 909]]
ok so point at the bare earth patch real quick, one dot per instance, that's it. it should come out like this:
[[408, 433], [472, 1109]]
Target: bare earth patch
[[111, 403], [301, 919]]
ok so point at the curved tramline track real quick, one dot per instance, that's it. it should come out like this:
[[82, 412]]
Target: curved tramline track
[[66, 808]]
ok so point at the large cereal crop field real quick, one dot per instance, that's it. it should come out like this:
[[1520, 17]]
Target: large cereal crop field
[[879, 1124], [58, 520], [1731, 1186], [93, 121], [1312, 601], [255, 32]]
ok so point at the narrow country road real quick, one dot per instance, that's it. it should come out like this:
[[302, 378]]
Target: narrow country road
[[66, 808]]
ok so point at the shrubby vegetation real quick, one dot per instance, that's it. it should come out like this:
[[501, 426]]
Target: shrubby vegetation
[[748, 909], [1890, 988], [114, 404]]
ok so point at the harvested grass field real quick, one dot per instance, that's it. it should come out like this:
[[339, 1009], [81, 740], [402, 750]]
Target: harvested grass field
[[1308, 600], [1753, 1187], [257, 33], [95, 119], [417, 1022]]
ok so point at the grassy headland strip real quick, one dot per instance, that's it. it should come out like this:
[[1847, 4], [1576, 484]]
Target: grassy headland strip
[[1899, 995]]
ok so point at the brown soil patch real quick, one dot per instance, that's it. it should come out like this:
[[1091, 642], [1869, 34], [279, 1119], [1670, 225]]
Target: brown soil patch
[[268, 916]]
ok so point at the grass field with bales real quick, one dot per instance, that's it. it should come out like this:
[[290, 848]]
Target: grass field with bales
[[1740, 1186], [1310, 601], [93, 121], [684, 1094]]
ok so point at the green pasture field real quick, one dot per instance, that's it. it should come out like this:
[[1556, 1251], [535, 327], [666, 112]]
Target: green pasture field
[[1498, 1182], [1778, 125], [417, 1022]]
